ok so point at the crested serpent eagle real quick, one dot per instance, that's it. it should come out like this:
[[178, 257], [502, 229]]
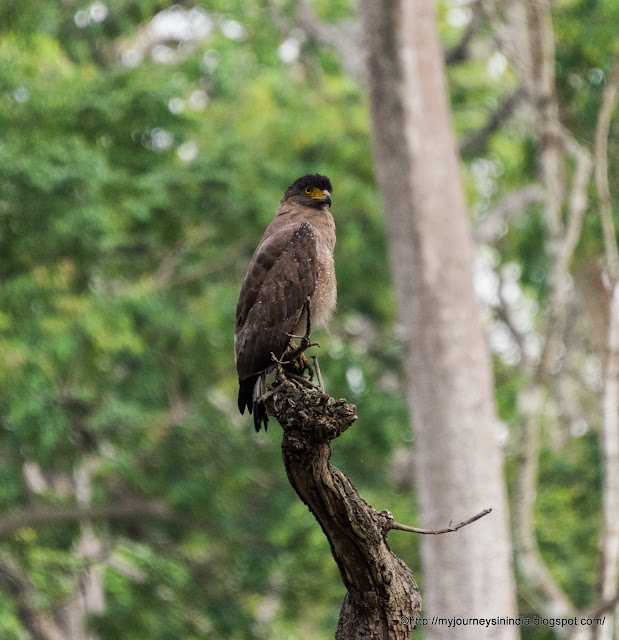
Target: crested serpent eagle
[[289, 280]]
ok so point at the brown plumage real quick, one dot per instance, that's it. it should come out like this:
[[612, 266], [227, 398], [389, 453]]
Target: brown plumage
[[293, 263]]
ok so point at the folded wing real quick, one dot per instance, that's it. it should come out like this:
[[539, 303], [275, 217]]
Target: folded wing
[[281, 277]]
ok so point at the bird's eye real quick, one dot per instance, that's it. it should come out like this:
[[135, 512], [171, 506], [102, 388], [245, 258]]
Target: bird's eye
[[308, 190]]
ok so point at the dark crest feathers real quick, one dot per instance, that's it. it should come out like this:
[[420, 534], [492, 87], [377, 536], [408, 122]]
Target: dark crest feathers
[[310, 180]]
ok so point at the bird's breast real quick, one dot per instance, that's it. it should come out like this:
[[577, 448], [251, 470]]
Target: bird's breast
[[322, 303]]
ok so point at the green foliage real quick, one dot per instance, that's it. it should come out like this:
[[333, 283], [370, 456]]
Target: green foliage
[[568, 509], [121, 256]]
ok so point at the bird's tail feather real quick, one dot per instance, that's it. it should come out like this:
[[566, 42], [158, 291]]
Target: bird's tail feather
[[246, 392], [250, 391]]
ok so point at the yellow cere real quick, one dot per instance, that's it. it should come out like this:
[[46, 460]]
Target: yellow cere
[[315, 192]]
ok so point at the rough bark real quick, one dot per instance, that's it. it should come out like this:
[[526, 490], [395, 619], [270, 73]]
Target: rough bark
[[381, 588], [450, 392]]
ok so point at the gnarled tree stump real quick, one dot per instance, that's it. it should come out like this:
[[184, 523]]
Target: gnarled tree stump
[[382, 595]]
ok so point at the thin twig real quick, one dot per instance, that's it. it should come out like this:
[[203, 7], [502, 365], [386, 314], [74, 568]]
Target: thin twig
[[434, 532], [321, 385]]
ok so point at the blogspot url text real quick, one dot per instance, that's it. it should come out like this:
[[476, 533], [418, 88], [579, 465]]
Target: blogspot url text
[[520, 621]]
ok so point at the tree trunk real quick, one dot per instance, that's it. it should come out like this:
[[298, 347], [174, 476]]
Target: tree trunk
[[450, 392]]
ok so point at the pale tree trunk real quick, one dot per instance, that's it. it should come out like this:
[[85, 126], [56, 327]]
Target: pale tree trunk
[[610, 397], [88, 596], [450, 391], [610, 457]]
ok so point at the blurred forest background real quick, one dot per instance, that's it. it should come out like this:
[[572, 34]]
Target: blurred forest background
[[144, 147]]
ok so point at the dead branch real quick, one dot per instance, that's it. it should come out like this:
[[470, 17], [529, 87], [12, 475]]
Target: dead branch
[[381, 588], [434, 532]]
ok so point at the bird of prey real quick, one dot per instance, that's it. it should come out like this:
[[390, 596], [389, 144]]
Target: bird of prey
[[290, 279]]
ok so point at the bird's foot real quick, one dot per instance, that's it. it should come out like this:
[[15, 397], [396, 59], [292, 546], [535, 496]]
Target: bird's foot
[[305, 340], [293, 362], [296, 360], [305, 343], [293, 369], [280, 373]]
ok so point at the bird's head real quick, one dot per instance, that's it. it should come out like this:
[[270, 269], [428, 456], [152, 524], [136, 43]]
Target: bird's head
[[312, 190]]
